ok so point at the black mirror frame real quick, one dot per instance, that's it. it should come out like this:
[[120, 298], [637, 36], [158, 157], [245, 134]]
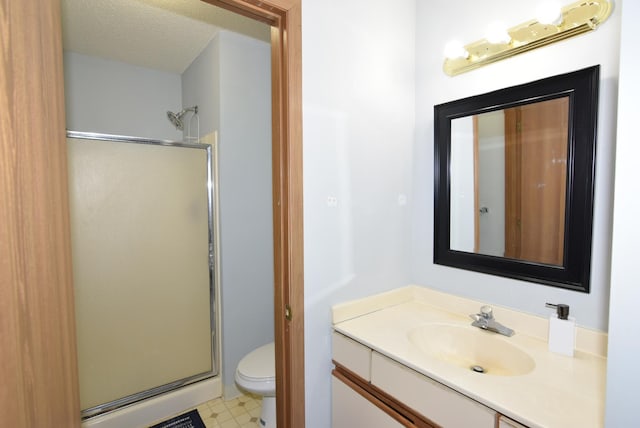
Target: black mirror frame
[[582, 88]]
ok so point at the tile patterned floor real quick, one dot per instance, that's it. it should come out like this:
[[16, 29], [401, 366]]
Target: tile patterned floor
[[240, 412]]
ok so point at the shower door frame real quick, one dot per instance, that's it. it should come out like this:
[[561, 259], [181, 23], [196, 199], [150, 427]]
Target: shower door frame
[[213, 268]]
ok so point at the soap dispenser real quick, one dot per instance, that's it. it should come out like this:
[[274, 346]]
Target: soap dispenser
[[562, 330]]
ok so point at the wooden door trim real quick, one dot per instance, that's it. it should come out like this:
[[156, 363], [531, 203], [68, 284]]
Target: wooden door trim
[[285, 19], [38, 364]]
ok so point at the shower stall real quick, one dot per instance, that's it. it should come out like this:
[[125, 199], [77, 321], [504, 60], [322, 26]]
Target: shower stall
[[144, 242]]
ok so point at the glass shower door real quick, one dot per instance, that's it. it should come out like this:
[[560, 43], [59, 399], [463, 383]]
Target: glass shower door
[[141, 222]]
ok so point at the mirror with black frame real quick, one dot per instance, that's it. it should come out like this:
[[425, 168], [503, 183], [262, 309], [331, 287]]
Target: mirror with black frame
[[514, 180]]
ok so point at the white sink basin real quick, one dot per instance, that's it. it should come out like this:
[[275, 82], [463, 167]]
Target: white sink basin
[[471, 348]]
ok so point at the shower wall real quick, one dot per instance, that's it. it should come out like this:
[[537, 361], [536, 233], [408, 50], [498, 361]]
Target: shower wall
[[199, 86], [237, 102], [112, 97]]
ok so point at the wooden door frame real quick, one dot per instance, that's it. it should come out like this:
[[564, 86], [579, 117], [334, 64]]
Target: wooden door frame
[[284, 17], [38, 362]]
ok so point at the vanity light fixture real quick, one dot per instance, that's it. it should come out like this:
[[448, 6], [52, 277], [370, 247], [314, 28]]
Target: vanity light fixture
[[551, 25]]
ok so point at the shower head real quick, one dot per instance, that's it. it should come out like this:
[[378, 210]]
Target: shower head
[[176, 118]]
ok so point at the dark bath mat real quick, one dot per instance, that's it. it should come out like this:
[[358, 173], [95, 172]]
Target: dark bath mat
[[190, 419]]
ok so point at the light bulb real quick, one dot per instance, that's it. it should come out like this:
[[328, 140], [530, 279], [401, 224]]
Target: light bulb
[[455, 49], [549, 12], [497, 33]]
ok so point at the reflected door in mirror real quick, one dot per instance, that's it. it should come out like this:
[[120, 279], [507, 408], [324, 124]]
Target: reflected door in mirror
[[535, 178], [508, 182]]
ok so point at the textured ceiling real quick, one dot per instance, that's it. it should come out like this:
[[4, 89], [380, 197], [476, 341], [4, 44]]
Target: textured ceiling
[[162, 34]]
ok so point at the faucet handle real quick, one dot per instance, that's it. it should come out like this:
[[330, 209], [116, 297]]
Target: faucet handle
[[486, 311]]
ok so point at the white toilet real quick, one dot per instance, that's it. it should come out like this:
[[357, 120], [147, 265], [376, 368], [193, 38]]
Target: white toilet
[[256, 373]]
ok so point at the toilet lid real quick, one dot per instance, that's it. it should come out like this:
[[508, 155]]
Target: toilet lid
[[259, 365]]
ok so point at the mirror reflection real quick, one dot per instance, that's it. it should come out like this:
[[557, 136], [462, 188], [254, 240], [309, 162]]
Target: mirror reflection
[[508, 182]]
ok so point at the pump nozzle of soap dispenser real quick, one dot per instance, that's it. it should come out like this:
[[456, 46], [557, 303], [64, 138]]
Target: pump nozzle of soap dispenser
[[562, 330], [561, 309]]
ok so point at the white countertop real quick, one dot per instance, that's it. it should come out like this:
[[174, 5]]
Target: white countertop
[[560, 391]]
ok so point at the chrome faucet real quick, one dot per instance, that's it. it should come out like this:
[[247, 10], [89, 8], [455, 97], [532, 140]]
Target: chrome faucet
[[486, 321]]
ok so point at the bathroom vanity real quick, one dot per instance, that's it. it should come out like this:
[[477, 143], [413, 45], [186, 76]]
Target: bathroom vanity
[[411, 358]]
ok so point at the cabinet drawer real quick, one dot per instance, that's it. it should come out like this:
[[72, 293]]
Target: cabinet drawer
[[433, 400], [505, 422], [350, 409], [352, 355]]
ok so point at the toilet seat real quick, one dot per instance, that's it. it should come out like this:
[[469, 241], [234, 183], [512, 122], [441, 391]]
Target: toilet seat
[[256, 372]]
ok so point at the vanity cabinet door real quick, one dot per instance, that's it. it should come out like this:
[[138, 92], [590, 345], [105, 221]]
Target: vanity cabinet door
[[351, 409], [438, 403]]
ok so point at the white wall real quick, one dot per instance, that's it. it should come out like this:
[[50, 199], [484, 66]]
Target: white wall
[[112, 97], [623, 371], [246, 214], [439, 22], [358, 133]]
